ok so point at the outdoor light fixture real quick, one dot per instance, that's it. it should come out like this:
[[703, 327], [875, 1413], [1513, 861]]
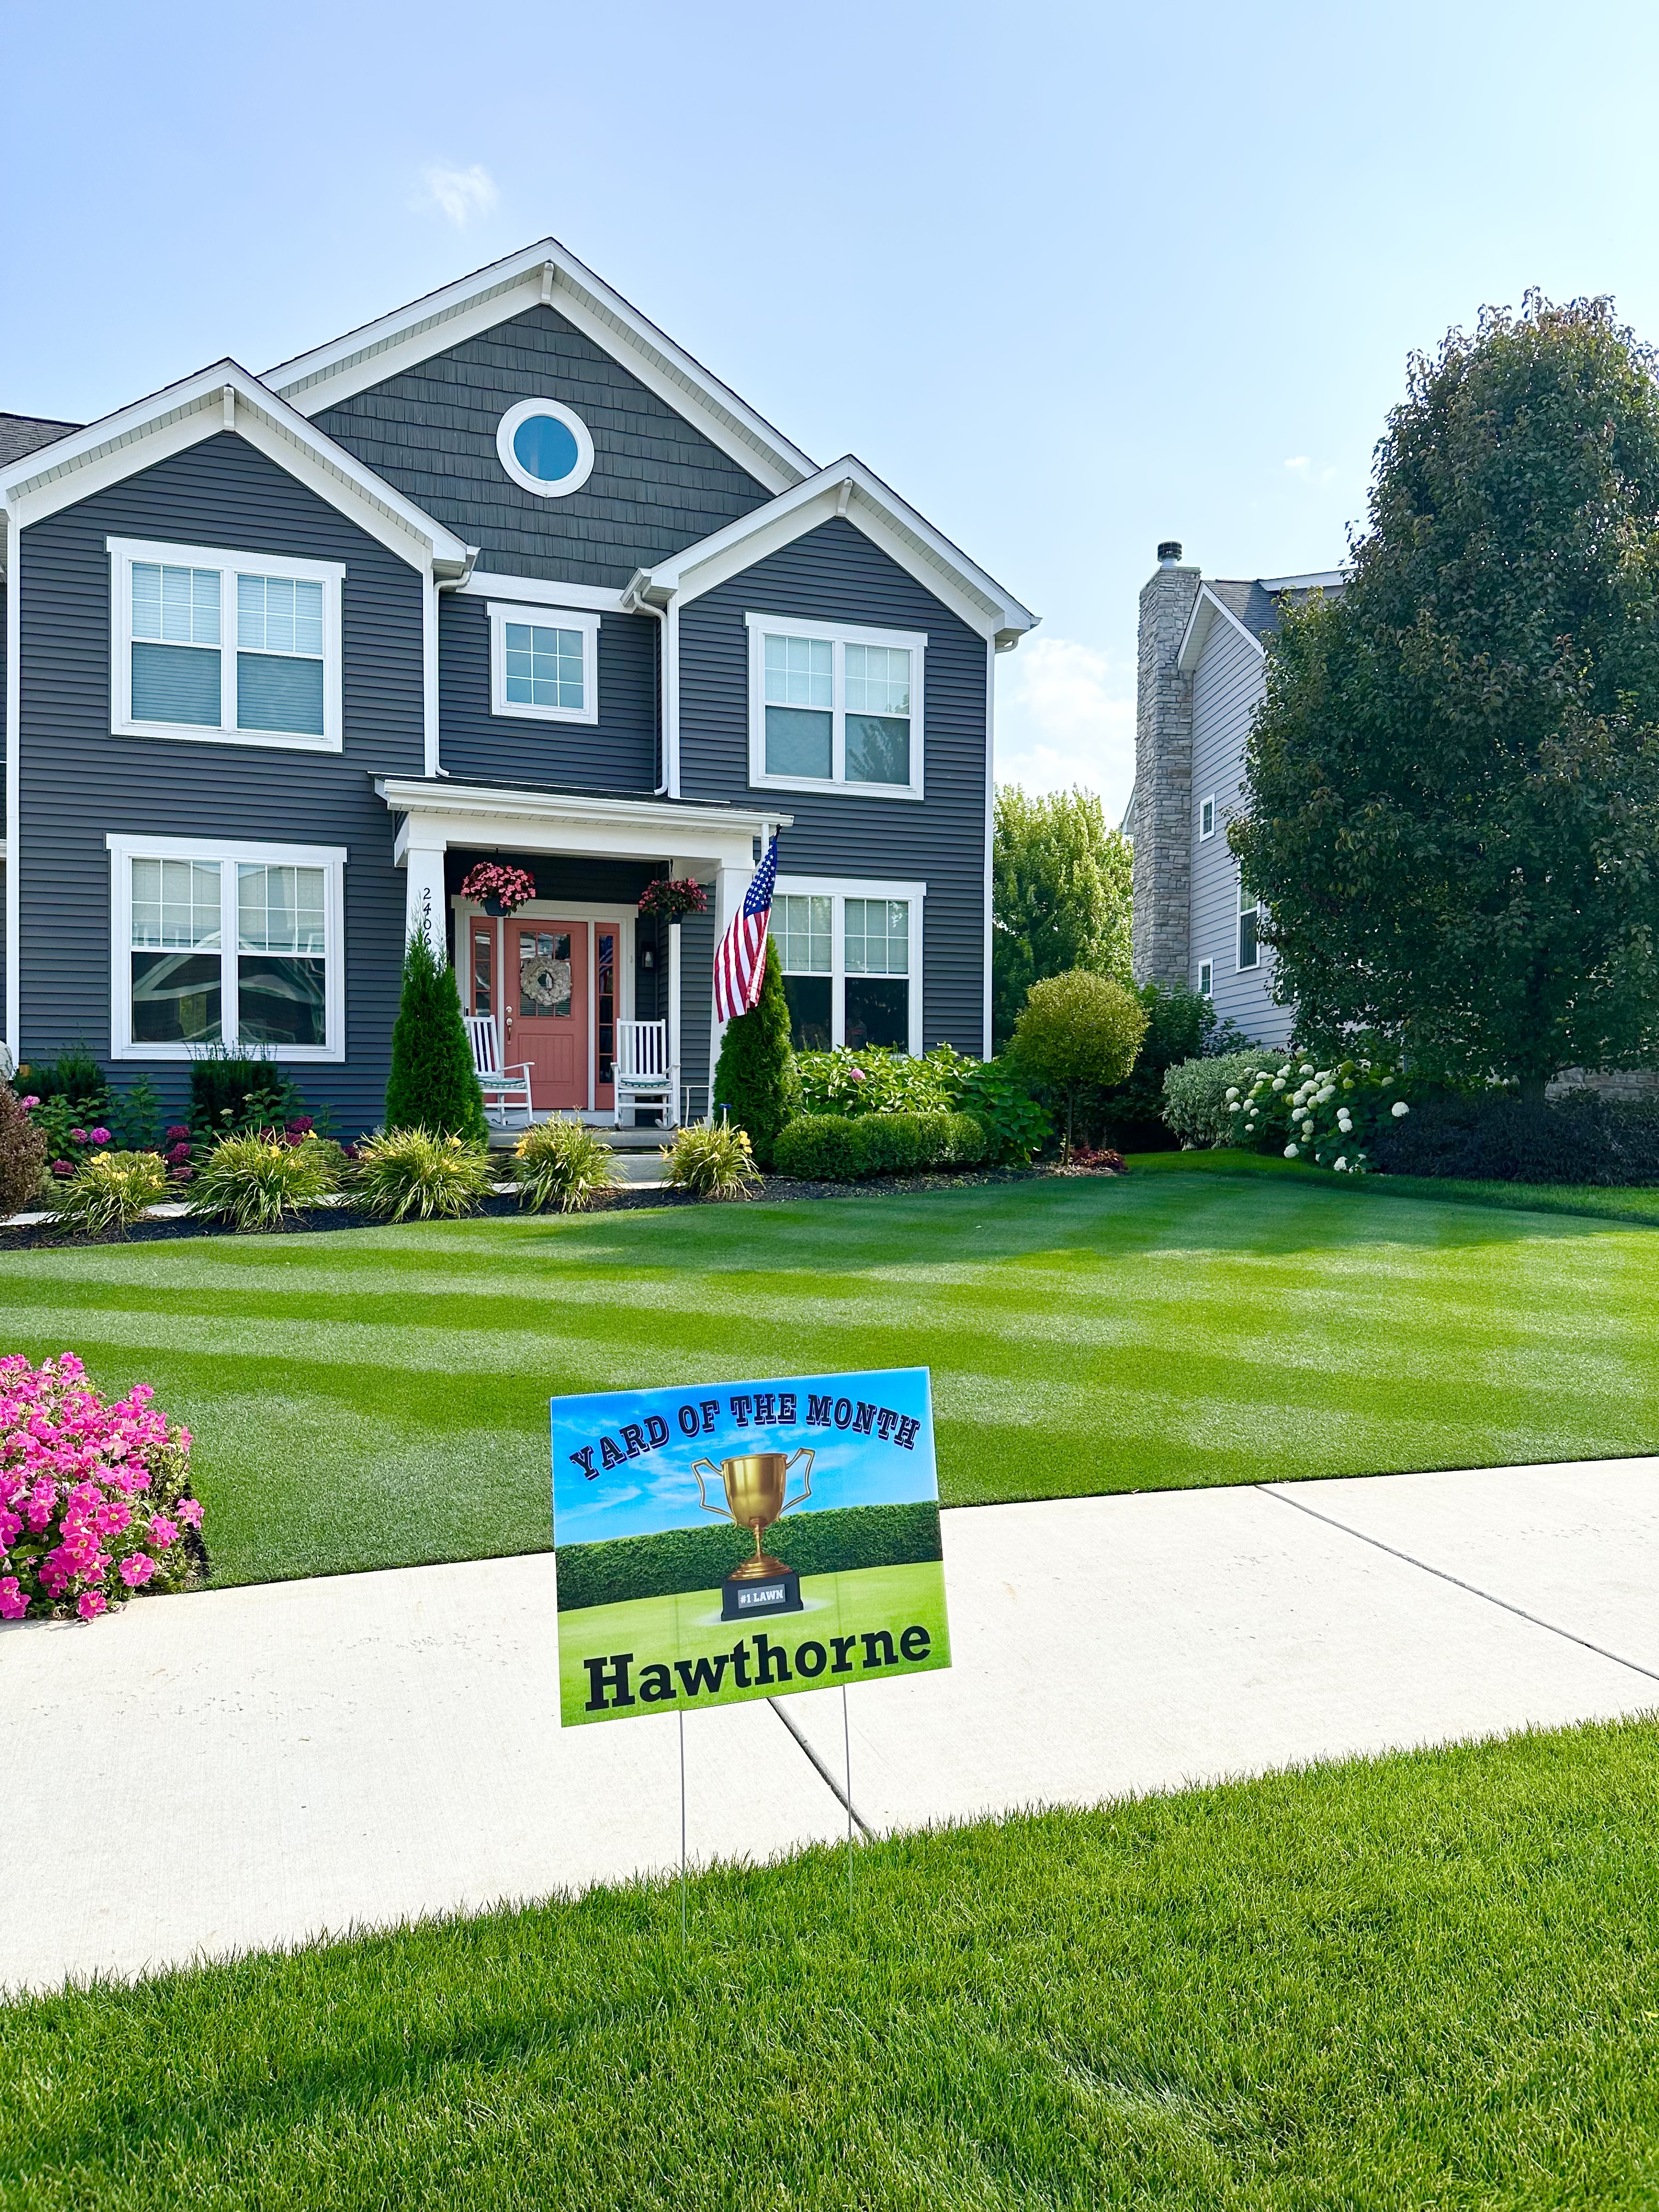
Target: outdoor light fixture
[[647, 955]]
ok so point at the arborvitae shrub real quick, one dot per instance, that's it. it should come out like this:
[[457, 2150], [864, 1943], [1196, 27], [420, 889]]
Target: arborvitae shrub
[[432, 1086], [755, 1080]]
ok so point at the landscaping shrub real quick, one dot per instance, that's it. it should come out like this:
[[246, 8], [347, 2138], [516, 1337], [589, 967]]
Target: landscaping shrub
[[880, 1080], [1077, 1032], [23, 1154], [564, 1164], [95, 1500], [231, 1092], [839, 1148], [1195, 1097], [1180, 1025], [258, 1181], [74, 1075], [109, 1190], [401, 1172], [711, 1160], [135, 1117], [1330, 1117], [755, 1079], [676, 1560], [1016, 1126], [432, 1086], [1501, 1137]]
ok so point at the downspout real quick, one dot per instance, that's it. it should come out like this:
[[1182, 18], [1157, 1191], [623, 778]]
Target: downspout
[[635, 603], [440, 585]]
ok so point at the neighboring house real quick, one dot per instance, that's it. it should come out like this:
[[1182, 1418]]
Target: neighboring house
[[1202, 658], [504, 575]]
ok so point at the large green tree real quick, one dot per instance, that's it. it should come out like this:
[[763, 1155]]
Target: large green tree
[[1060, 894], [1452, 789]]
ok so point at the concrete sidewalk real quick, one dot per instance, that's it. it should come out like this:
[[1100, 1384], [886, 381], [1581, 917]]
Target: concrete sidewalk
[[250, 1768]]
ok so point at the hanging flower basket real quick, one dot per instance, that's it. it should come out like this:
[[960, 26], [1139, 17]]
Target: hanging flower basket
[[497, 889], [672, 900]]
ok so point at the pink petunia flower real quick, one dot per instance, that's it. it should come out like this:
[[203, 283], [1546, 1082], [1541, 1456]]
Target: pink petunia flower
[[13, 1603], [137, 1570], [163, 1532], [90, 1604], [189, 1512]]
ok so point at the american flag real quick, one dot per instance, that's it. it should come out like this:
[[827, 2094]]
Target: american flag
[[740, 956]]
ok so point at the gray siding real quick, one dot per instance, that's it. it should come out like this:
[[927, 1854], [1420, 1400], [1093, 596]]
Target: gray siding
[[618, 753], [658, 484], [1226, 685], [79, 782], [834, 573]]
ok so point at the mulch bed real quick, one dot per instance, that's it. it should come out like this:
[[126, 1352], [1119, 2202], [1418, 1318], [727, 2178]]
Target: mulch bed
[[774, 1190]]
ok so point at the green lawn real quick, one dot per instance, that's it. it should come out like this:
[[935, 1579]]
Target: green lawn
[[1624, 1202], [1425, 1981], [372, 1398]]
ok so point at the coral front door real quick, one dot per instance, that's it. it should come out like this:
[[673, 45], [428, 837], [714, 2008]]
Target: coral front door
[[545, 976]]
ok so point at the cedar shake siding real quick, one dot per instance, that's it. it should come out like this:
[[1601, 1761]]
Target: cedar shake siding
[[78, 782], [658, 484], [835, 574]]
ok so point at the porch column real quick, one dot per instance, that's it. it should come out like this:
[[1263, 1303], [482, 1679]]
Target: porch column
[[674, 1019], [424, 895]]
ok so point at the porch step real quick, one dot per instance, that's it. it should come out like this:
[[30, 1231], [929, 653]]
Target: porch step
[[637, 1139]]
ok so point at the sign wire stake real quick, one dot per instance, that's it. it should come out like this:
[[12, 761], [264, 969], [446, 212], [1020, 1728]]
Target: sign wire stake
[[846, 1749], [684, 1937]]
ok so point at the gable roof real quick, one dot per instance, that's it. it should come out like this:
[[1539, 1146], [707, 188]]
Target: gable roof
[[223, 397], [26, 434], [847, 488], [545, 274], [1252, 605]]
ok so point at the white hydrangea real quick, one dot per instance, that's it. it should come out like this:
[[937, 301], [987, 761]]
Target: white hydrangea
[[1306, 1068], [1279, 1083], [1341, 1163], [1291, 1151], [1399, 1108], [1347, 1083], [1232, 1090], [1233, 1106], [1326, 1090]]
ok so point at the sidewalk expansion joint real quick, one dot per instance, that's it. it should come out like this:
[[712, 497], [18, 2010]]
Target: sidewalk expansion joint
[[835, 1787], [1474, 1588]]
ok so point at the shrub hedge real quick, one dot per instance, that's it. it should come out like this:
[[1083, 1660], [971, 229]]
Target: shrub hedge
[[837, 1148], [1195, 1097], [1582, 1138], [681, 1559]]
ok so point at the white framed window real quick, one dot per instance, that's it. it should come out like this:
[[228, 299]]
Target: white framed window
[[232, 648], [851, 956], [831, 705], [1250, 914], [1206, 979], [544, 663], [545, 447], [226, 944], [1207, 818]]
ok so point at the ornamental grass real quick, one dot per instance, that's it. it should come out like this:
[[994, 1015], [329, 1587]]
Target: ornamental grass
[[402, 1173], [260, 1180], [711, 1160], [109, 1191], [563, 1166]]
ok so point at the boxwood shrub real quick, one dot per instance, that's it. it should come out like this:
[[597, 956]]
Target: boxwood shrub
[[835, 1148], [622, 1568]]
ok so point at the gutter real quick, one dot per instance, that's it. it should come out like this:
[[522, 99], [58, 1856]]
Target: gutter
[[635, 602]]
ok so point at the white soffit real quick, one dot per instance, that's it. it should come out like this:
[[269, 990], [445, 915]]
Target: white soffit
[[543, 275], [847, 488], [225, 397]]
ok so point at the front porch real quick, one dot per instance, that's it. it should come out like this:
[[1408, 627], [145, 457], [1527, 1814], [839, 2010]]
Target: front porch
[[560, 977]]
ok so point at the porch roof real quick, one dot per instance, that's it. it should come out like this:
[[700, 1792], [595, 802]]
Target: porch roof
[[693, 839]]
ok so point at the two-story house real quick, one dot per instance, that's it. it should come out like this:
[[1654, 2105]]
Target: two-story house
[[1201, 671], [505, 574]]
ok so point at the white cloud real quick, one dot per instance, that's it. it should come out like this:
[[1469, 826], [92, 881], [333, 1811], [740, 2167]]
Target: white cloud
[[1300, 463], [1066, 715], [460, 194]]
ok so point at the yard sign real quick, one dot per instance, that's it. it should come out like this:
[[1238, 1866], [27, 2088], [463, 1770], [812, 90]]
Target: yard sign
[[744, 1539]]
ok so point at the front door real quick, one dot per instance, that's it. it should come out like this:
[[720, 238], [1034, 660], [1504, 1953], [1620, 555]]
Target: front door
[[545, 979]]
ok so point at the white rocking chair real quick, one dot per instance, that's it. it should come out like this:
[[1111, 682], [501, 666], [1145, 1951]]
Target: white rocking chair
[[641, 1070], [508, 1087]]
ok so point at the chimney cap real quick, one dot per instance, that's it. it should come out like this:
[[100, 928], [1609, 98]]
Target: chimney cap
[[1169, 552]]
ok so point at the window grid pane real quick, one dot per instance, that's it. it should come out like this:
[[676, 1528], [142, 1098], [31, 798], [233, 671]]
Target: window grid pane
[[802, 927], [280, 910], [175, 606], [175, 904], [800, 672], [878, 937], [543, 667], [279, 614], [877, 680]]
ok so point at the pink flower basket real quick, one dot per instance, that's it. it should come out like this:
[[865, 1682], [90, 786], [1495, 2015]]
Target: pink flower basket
[[95, 1499], [498, 889]]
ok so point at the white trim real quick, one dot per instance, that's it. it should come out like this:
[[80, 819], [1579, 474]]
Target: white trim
[[839, 636], [1317, 579], [697, 838], [508, 427], [537, 591], [545, 274], [1206, 979], [543, 617], [182, 414], [990, 826], [838, 889], [888, 521], [332, 858], [431, 716], [14, 794], [1204, 835], [1206, 607], [671, 701], [330, 575], [1246, 967]]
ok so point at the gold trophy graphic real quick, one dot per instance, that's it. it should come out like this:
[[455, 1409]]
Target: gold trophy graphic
[[755, 1484]]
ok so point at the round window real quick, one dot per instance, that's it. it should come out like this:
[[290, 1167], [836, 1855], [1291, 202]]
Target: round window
[[545, 447]]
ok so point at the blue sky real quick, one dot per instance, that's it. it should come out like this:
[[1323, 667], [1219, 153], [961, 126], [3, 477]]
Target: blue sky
[[657, 1490], [1072, 278]]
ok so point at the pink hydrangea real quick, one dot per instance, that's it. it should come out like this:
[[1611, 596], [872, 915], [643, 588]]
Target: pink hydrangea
[[100, 1136], [78, 1136], [31, 1100]]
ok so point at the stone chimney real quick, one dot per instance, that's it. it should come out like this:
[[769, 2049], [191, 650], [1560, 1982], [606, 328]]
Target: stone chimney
[[1163, 776]]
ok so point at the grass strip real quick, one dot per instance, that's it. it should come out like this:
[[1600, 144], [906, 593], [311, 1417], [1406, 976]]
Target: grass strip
[[1425, 1980], [1606, 1202]]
